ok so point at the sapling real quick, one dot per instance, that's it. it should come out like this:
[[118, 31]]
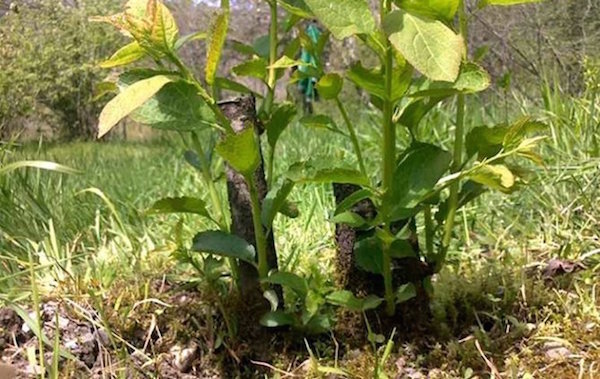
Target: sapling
[[422, 178], [169, 96]]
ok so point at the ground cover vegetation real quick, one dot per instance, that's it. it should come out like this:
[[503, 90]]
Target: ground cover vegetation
[[410, 241]]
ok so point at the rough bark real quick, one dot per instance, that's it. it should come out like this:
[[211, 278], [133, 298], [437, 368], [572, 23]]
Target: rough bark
[[242, 114], [406, 270]]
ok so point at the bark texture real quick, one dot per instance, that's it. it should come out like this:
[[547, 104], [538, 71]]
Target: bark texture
[[360, 282], [242, 114]]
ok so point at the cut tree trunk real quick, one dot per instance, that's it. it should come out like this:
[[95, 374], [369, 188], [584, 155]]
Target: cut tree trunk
[[242, 114], [360, 282]]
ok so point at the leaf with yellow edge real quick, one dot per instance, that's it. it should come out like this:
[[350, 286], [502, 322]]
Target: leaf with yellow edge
[[128, 101], [498, 177], [215, 47], [164, 31], [125, 55]]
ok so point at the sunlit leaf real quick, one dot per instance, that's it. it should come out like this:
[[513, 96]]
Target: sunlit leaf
[[347, 300], [128, 101], [471, 79], [176, 106], [498, 177], [241, 151], [318, 171], [182, 204], [276, 319], [217, 35], [125, 55], [330, 86], [289, 280], [256, 68], [437, 9], [343, 17], [428, 45]]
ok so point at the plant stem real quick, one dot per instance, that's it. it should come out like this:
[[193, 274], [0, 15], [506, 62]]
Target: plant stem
[[353, 136], [215, 198], [429, 233], [458, 151], [208, 179], [389, 161], [259, 233], [273, 41], [271, 82]]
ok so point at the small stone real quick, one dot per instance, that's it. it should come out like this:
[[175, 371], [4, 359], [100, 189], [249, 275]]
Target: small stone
[[555, 351], [184, 357]]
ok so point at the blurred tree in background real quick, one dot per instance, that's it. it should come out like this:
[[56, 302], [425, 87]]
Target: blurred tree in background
[[48, 57]]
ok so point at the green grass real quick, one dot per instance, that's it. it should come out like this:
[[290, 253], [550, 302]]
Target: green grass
[[89, 245]]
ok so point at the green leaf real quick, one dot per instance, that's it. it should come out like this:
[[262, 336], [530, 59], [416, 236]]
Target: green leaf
[[224, 244], [368, 253], [429, 45], [485, 142], [218, 34], [343, 18], [276, 319], [183, 204], [279, 121], [230, 85], [287, 62], [352, 200], [104, 88], [158, 30], [438, 9], [330, 86], [420, 168], [497, 177], [177, 106], [296, 7], [354, 220], [125, 55], [485, 3], [318, 324], [289, 280], [241, 151], [189, 38], [405, 292], [373, 80], [129, 100], [322, 172], [272, 298], [261, 46], [347, 300], [256, 68], [472, 78], [517, 132], [319, 121], [274, 201], [415, 111]]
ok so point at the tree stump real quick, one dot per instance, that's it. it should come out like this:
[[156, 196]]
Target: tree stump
[[406, 270], [242, 114]]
